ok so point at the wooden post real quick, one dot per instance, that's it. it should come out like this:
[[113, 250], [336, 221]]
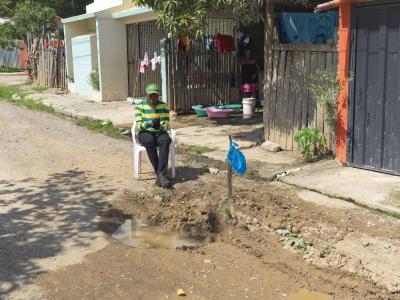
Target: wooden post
[[57, 75], [268, 56], [229, 179]]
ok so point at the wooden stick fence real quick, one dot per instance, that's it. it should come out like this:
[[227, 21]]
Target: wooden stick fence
[[52, 71]]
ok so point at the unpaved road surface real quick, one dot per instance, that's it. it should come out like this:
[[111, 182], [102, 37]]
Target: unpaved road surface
[[63, 189]]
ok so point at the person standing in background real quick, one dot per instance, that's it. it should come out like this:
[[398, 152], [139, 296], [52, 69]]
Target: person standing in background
[[250, 69]]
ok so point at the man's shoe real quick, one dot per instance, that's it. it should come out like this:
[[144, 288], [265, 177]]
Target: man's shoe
[[163, 181]]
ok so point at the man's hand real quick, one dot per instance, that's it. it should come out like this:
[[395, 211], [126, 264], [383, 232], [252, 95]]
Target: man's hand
[[149, 124], [153, 124]]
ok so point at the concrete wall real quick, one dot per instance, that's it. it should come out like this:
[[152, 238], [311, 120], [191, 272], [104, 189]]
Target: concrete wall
[[72, 30], [112, 52]]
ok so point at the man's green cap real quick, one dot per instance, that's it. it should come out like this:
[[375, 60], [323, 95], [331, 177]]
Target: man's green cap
[[152, 89]]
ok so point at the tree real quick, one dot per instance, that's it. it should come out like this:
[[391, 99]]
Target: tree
[[188, 17], [30, 21], [63, 8], [7, 36]]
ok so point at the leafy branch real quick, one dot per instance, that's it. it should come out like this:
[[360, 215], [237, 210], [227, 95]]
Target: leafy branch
[[189, 17]]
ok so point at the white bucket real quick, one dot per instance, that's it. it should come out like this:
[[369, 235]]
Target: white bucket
[[249, 106]]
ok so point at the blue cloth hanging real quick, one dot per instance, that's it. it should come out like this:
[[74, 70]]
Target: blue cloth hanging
[[307, 28], [236, 159]]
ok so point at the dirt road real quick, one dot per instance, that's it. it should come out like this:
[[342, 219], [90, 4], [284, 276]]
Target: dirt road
[[63, 188]]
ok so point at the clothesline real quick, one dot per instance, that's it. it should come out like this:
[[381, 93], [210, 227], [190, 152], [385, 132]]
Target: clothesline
[[146, 62]]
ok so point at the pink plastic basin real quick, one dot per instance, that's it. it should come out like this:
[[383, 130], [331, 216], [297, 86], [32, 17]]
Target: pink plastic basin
[[218, 113]]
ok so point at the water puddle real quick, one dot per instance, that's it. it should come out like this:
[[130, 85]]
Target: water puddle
[[307, 295], [136, 234]]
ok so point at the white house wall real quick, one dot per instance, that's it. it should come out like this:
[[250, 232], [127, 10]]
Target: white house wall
[[112, 51]]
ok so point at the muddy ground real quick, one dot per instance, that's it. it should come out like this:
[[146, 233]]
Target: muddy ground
[[65, 190], [245, 253]]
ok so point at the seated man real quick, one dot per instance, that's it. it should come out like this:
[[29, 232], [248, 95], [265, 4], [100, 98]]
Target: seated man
[[152, 123]]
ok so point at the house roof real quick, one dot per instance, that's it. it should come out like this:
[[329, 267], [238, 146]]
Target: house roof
[[334, 4], [79, 18], [134, 11], [131, 12]]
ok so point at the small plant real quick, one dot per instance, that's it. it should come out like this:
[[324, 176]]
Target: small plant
[[94, 80], [311, 143], [325, 87], [329, 247], [200, 149], [294, 240]]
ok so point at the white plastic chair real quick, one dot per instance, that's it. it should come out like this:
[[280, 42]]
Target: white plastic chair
[[138, 149]]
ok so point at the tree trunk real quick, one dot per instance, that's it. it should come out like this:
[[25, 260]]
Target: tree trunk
[[269, 36]]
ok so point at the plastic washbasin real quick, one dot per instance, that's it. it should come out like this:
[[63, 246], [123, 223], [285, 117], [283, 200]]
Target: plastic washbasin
[[218, 113], [200, 111], [236, 107]]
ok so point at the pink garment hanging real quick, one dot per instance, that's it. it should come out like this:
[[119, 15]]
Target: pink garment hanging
[[144, 64]]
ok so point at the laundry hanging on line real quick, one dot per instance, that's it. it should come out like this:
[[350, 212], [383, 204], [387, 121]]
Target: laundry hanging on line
[[144, 64], [243, 42], [224, 43], [147, 63], [209, 41], [184, 44], [155, 61]]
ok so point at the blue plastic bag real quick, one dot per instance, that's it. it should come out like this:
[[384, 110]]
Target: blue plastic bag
[[236, 159]]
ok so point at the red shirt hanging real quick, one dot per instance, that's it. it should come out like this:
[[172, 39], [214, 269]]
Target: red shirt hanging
[[224, 43]]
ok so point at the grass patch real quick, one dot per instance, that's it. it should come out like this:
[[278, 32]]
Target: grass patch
[[4, 69], [7, 92], [199, 149], [35, 105], [99, 126], [40, 89], [14, 95]]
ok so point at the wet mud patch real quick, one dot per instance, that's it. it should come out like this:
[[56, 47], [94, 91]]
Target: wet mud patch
[[137, 234], [174, 210]]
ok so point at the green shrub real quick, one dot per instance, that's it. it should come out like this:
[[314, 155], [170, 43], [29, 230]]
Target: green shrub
[[94, 80], [311, 143], [325, 88]]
